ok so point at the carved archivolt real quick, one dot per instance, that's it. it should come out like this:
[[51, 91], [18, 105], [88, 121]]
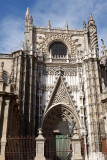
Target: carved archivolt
[[65, 38], [57, 114]]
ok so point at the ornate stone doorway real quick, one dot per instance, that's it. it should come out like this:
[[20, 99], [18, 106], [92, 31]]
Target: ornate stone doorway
[[58, 145], [55, 119]]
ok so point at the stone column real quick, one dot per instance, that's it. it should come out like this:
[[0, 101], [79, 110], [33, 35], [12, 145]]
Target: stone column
[[76, 147], [40, 141], [67, 58], [4, 130], [50, 55], [85, 142]]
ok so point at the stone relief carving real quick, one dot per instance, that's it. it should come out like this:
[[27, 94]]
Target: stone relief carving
[[47, 87], [53, 71], [73, 88], [102, 127], [44, 87], [104, 88], [104, 105], [61, 95], [67, 39], [105, 122]]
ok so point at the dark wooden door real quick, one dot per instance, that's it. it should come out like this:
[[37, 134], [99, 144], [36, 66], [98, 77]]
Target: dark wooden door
[[57, 147]]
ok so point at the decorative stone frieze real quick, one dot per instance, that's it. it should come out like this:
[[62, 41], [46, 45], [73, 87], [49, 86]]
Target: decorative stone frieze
[[53, 71]]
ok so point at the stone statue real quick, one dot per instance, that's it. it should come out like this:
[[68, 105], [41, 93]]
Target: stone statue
[[104, 89], [105, 121], [84, 25], [71, 128]]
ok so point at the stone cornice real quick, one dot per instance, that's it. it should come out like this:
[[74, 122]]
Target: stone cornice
[[58, 30], [61, 64], [8, 94]]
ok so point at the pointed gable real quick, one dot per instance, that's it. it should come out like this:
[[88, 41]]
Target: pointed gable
[[60, 94]]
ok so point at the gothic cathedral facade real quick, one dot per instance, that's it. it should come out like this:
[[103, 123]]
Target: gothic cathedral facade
[[56, 81]]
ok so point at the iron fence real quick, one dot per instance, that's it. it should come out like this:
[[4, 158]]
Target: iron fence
[[20, 148]]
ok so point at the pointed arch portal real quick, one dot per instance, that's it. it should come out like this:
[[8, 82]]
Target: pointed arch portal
[[55, 128], [56, 115]]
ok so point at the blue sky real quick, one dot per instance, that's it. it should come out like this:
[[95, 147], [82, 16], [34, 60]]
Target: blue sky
[[12, 15]]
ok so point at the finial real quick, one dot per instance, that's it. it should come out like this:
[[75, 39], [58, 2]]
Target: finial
[[66, 25], [49, 24], [84, 25], [27, 13], [91, 18]]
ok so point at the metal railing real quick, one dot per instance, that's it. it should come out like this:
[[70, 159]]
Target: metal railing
[[20, 148]]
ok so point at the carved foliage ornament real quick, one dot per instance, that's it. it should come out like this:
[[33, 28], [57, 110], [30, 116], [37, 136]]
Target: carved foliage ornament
[[60, 94], [53, 71], [65, 38]]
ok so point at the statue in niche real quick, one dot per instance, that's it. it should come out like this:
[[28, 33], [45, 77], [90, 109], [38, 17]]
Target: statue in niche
[[71, 127], [105, 121], [104, 89]]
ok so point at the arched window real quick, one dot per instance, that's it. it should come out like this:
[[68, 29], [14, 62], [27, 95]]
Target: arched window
[[58, 49]]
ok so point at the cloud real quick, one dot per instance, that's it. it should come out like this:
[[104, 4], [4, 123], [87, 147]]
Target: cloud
[[11, 33], [74, 11], [58, 11]]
